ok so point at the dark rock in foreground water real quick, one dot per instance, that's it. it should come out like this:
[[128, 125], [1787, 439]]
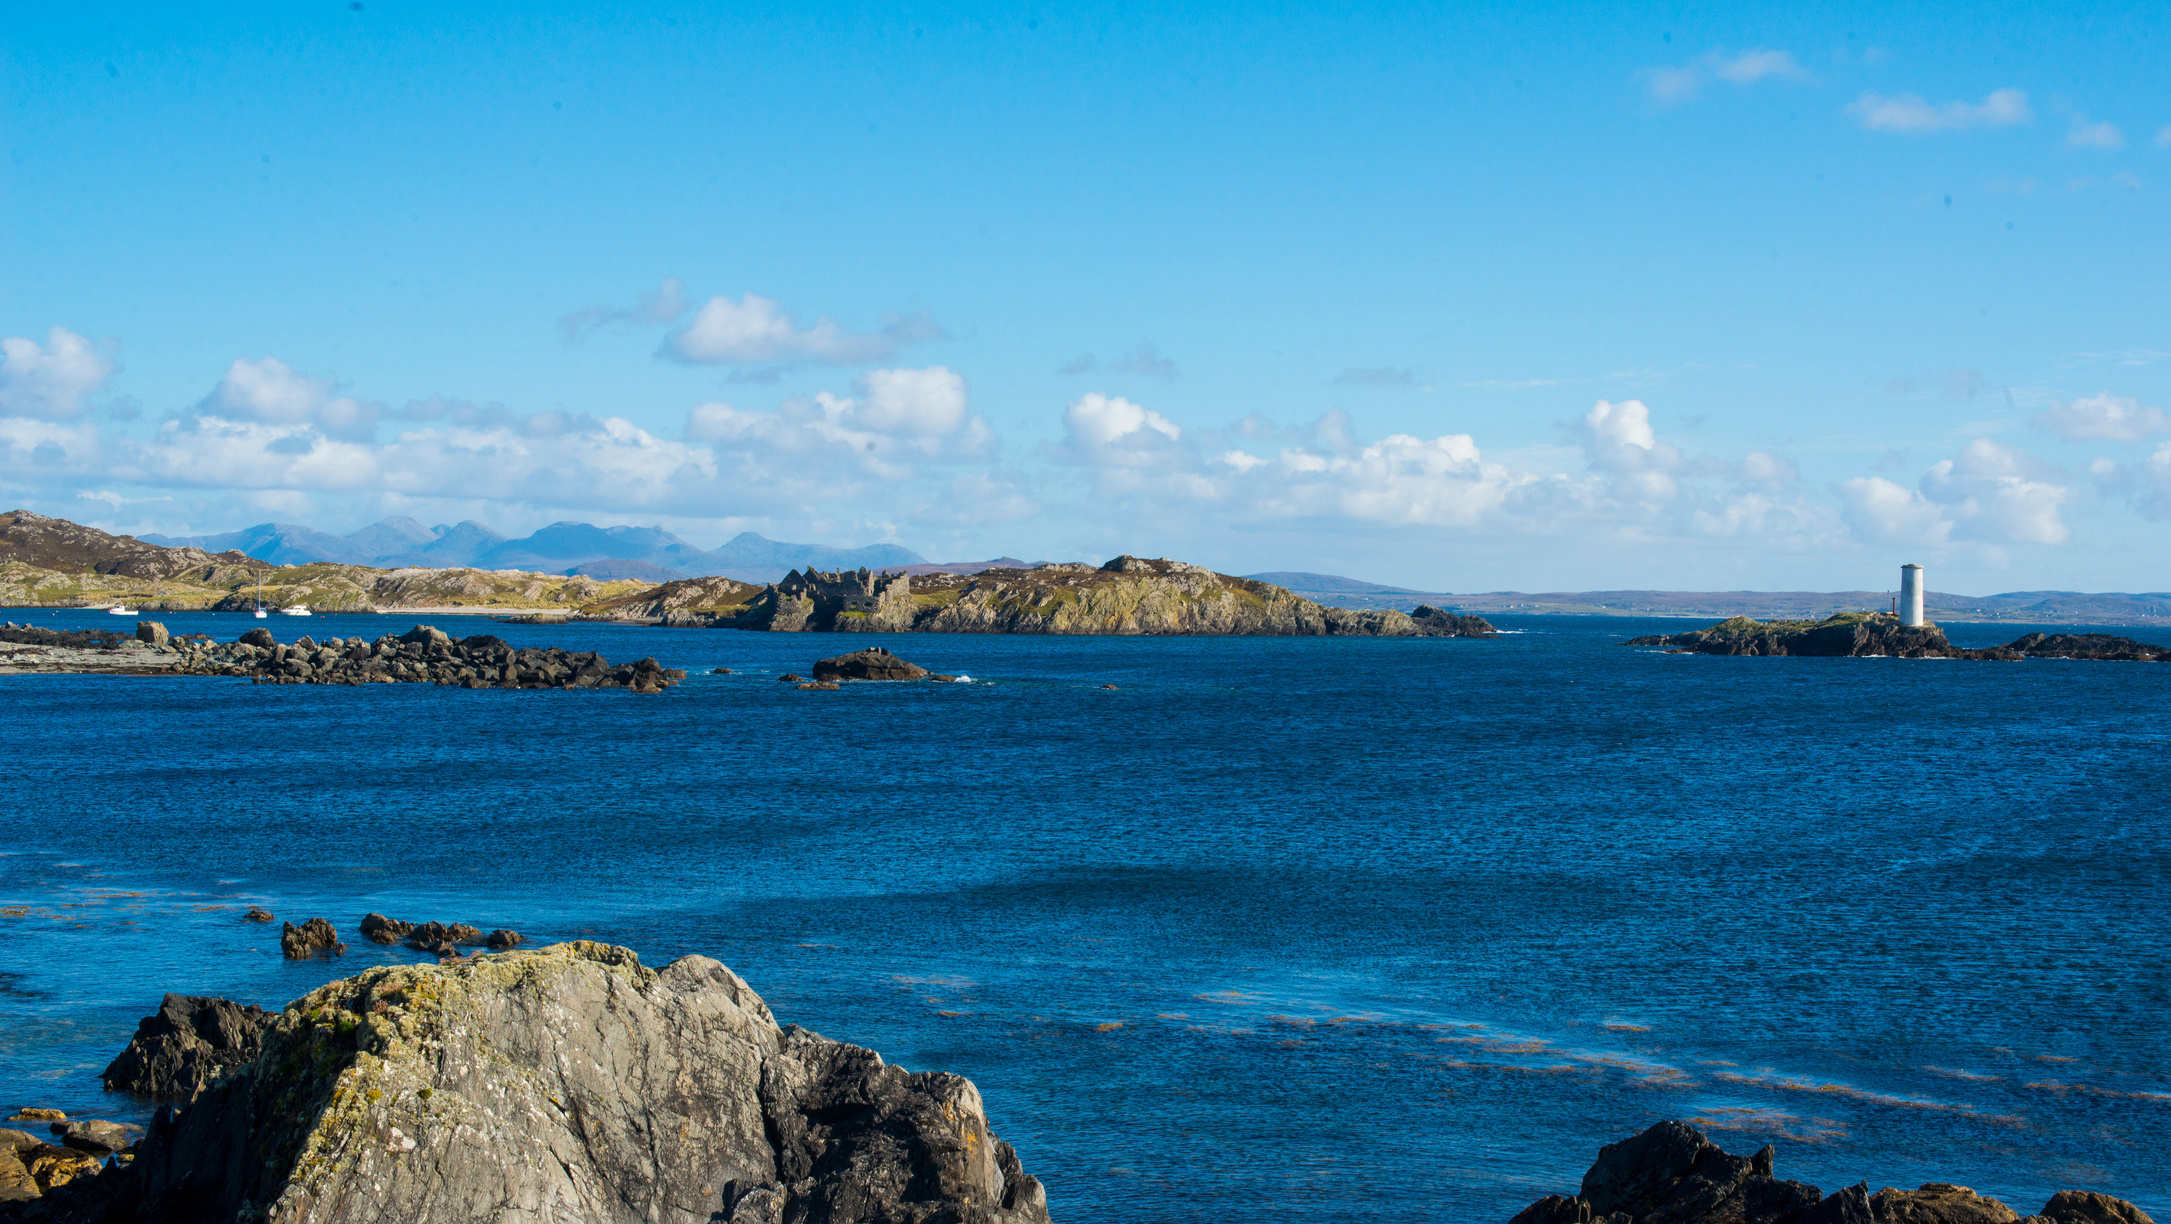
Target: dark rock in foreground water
[[187, 1044], [873, 663], [1881, 634], [565, 1084], [310, 938], [1672, 1174]]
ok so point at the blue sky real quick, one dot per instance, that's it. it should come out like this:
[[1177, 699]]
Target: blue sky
[[1764, 297]]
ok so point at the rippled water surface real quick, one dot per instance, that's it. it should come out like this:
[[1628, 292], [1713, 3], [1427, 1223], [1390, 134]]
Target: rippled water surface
[[1277, 930]]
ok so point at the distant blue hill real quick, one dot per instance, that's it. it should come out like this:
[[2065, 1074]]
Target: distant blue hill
[[558, 548]]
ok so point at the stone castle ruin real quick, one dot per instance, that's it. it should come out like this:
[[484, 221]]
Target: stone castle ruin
[[811, 599]]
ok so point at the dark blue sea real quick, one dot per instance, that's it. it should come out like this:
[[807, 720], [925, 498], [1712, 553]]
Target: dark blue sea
[[1279, 929]]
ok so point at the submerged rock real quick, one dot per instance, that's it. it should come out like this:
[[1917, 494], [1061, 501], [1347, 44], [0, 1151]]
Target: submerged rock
[[873, 663], [1672, 1174], [569, 1083], [186, 1044]]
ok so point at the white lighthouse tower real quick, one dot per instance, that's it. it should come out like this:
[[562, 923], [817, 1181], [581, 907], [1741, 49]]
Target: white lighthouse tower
[[1911, 594]]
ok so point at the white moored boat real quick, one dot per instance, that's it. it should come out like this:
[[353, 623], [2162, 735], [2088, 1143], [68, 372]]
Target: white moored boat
[[296, 610], [117, 610]]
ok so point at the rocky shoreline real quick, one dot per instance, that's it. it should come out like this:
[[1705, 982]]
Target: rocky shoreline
[[1880, 634], [566, 1083], [422, 655], [1672, 1174]]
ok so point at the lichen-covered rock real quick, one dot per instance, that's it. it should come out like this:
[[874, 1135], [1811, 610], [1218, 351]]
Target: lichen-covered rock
[[186, 1044], [569, 1083], [51, 1167], [2088, 1207], [1939, 1203]]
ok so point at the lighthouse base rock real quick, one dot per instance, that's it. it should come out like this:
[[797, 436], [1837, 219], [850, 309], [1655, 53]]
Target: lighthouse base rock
[[569, 1083]]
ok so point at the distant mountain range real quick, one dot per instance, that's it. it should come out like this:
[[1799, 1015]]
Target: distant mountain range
[[647, 553]]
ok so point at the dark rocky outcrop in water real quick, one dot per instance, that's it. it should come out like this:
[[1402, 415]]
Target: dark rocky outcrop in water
[[1672, 1174], [874, 663], [422, 655], [1881, 634], [186, 1044], [309, 939], [569, 1083]]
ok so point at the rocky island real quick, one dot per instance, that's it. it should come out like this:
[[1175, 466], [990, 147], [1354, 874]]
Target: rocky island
[[1128, 595], [1880, 634], [567, 1083]]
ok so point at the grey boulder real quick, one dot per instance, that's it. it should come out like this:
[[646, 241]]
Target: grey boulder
[[569, 1083]]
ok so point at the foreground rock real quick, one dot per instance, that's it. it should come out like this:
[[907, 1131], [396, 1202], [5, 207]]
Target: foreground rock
[[1881, 634], [422, 655], [1128, 595], [1672, 1174], [874, 663], [565, 1084], [186, 1044]]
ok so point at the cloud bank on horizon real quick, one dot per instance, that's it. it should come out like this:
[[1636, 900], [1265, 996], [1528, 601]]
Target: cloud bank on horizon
[[1752, 358]]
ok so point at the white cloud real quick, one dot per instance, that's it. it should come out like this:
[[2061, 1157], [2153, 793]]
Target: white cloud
[[2103, 417], [2085, 135], [2154, 496], [1112, 432], [1399, 479], [667, 303], [1678, 84], [927, 403], [756, 330], [893, 418], [1634, 486], [1674, 84], [1145, 359], [50, 381], [270, 392], [1882, 512], [1909, 113], [1749, 67], [1996, 494]]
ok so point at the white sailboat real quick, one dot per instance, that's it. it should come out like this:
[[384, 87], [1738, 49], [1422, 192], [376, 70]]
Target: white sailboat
[[260, 613]]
